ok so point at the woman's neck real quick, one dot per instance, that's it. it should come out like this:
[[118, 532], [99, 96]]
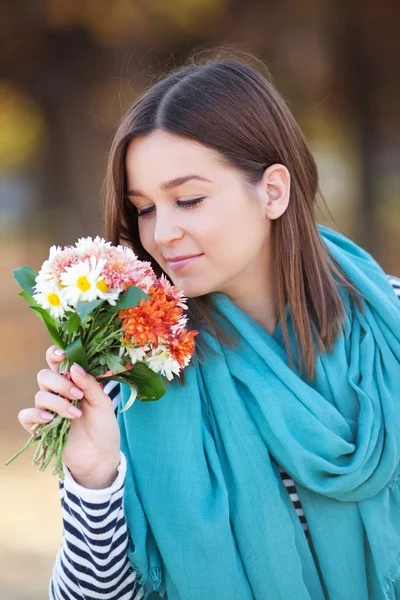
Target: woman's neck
[[260, 308], [256, 296]]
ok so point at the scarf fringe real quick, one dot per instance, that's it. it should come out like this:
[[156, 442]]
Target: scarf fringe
[[156, 579], [390, 579]]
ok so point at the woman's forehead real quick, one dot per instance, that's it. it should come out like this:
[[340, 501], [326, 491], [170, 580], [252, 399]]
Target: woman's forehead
[[163, 158]]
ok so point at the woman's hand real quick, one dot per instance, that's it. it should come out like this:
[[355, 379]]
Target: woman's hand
[[92, 452]]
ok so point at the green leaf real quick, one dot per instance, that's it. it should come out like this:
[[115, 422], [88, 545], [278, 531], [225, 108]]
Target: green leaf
[[97, 371], [50, 324], [131, 399], [101, 321], [150, 385], [102, 318], [25, 277], [114, 363], [84, 309], [75, 352], [73, 323], [28, 297], [131, 297]]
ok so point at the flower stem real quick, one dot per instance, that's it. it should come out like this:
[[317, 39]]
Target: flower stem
[[46, 461], [60, 447], [39, 450], [51, 438], [103, 343], [34, 438]]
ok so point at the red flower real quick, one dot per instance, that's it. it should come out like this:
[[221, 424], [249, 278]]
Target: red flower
[[151, 319], [182, 346]]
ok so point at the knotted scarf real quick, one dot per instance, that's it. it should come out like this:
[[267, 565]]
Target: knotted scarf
[[208, 514]]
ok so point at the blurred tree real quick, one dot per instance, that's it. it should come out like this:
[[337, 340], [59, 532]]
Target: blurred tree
[[58, 51], [21, 127], [368, 85]]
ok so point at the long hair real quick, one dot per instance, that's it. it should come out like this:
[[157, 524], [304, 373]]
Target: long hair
[[230, 105]]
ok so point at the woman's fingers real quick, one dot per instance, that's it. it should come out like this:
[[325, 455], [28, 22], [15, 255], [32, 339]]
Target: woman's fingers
[[54, 356], [47, 401], [46, 398], [32, 416], [94, 394], [54, 382]]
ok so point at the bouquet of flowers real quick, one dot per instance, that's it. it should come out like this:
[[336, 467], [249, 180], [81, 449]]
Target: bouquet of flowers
[[109, 313]]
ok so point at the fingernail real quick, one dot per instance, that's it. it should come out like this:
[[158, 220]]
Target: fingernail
[[76, 392], [59, 352], [74, 411], [46, 415], [79, 369]]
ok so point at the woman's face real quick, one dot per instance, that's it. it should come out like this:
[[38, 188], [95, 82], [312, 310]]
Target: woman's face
[[207, 232]]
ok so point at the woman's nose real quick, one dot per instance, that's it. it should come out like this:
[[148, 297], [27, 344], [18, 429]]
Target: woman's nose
[[166, 229]]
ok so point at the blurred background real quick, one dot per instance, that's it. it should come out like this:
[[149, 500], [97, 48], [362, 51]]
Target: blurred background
[[68, 70]]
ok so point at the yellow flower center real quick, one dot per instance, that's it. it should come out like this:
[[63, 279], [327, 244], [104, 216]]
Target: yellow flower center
[[54, 300], [103, 287], [83, 283]]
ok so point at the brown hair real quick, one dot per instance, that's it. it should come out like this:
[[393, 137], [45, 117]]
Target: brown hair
[[230, 105]]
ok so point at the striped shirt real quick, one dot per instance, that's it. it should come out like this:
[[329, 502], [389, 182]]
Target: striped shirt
[[92, 562]]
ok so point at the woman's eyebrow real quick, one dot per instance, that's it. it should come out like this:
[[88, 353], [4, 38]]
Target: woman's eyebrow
[[167, 185]]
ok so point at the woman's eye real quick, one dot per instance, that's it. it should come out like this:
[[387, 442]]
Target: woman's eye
[[189, 203], [145, 211], [182, 203]]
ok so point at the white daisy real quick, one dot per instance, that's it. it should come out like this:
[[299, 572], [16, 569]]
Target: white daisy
[[47, 272], [162, 362], [104, 293], [136, 354], [81, 281], [51, 298]]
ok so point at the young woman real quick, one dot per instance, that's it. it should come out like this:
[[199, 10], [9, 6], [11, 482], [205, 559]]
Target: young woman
[[273, 469]]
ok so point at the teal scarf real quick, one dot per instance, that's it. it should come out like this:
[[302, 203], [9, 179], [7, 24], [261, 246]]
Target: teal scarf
[[208, 514]]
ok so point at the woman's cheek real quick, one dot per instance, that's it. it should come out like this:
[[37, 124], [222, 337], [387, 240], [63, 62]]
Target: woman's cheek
[[146, 234]]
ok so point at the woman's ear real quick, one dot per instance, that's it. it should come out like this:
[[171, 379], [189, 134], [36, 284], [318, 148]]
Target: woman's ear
[[274, 190]]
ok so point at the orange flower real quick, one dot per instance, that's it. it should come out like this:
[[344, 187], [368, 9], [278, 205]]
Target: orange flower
[[151, 318], [182, 347]]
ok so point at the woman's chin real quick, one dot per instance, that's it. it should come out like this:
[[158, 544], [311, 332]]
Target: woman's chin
[[195, 293], [194, 285], [194, 290]]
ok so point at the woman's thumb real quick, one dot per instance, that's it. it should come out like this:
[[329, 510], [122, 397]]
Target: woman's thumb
[[92, 390]]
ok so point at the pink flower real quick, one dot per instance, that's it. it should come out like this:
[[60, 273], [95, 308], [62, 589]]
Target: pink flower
[[123, 269], [172, 292]]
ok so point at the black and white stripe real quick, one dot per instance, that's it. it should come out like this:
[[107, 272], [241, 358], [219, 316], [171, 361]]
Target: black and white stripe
[[291, 490], [395, 283], [92, 563]]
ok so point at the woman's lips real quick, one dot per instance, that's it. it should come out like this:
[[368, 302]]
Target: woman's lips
[[177, 265]]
